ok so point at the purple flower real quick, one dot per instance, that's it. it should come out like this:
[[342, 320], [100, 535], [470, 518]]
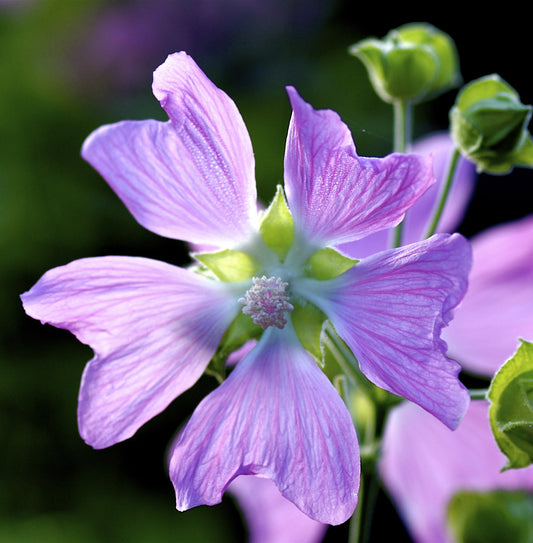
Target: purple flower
[[270, 517], [424, 465], [154, 328], [496, 310]]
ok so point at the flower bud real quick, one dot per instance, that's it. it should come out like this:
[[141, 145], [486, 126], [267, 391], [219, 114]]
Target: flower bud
[[489, 126], [413, 62]]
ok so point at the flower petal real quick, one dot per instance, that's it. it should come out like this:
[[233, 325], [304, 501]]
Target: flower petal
[[390, 309], [336, 196], [276, 416], [424, 464], [191, 178], [496, 310], [416, 222], [153, 328], [270, 517]]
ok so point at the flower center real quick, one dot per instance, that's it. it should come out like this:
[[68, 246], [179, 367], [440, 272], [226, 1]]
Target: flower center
[[266, 302]]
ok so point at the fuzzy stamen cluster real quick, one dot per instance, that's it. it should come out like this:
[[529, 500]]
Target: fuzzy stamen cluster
[[266, 302]]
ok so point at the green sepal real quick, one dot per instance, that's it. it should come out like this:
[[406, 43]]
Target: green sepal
[[414, 62], [489, 126], [277, 226], [511, 408], [229, 265], [327, 264], [491, 517], [308, 321], [239, 332]]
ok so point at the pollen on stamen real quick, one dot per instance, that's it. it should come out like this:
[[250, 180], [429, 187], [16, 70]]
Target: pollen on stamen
[[266, 302]]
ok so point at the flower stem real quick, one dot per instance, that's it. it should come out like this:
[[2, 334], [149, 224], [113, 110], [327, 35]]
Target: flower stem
[[479, 394], [403, 117], [369, 433], [444, 193], [403, 120]]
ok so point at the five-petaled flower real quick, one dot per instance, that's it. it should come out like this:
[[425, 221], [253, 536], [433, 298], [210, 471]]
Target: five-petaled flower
[[154, 328]]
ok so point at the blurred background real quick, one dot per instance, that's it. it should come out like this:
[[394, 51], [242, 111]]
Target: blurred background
[[67, 67]]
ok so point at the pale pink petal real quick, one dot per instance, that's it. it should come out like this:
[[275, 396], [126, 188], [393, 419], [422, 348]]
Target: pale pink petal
[[498, 307], [390, 308], [270, 517], [153, 328], [191, 178], [424, 464], [336, 196], [276, 416]]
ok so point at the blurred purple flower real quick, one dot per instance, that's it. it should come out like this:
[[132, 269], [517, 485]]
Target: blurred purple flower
[[269, 516], [497, 309], [155, 327], [424, 465], [122, 41]]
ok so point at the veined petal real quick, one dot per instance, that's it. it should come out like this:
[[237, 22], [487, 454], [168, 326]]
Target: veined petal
[[336, 196], [191, 178], [390, 309], [269, 516], [416, 222], [424, 464], [153, 328], [497, 309], [276, 416]]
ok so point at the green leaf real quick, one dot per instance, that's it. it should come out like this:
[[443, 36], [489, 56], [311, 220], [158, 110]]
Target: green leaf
[[511, 409], [277, 227], [229, 265], [491, 517], [327, 264]]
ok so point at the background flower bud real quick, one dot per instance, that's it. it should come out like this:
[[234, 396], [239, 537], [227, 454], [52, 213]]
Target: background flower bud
[[489, 125], [413, 62]]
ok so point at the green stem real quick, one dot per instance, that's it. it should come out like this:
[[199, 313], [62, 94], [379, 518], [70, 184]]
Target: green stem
[[403, 117], [354, 532], [444, 193], [403, 121], [361, 521], [479, 394]]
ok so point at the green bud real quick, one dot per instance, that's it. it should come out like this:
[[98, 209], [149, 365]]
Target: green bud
[[489, 126], [414, 62], [511, 409]]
